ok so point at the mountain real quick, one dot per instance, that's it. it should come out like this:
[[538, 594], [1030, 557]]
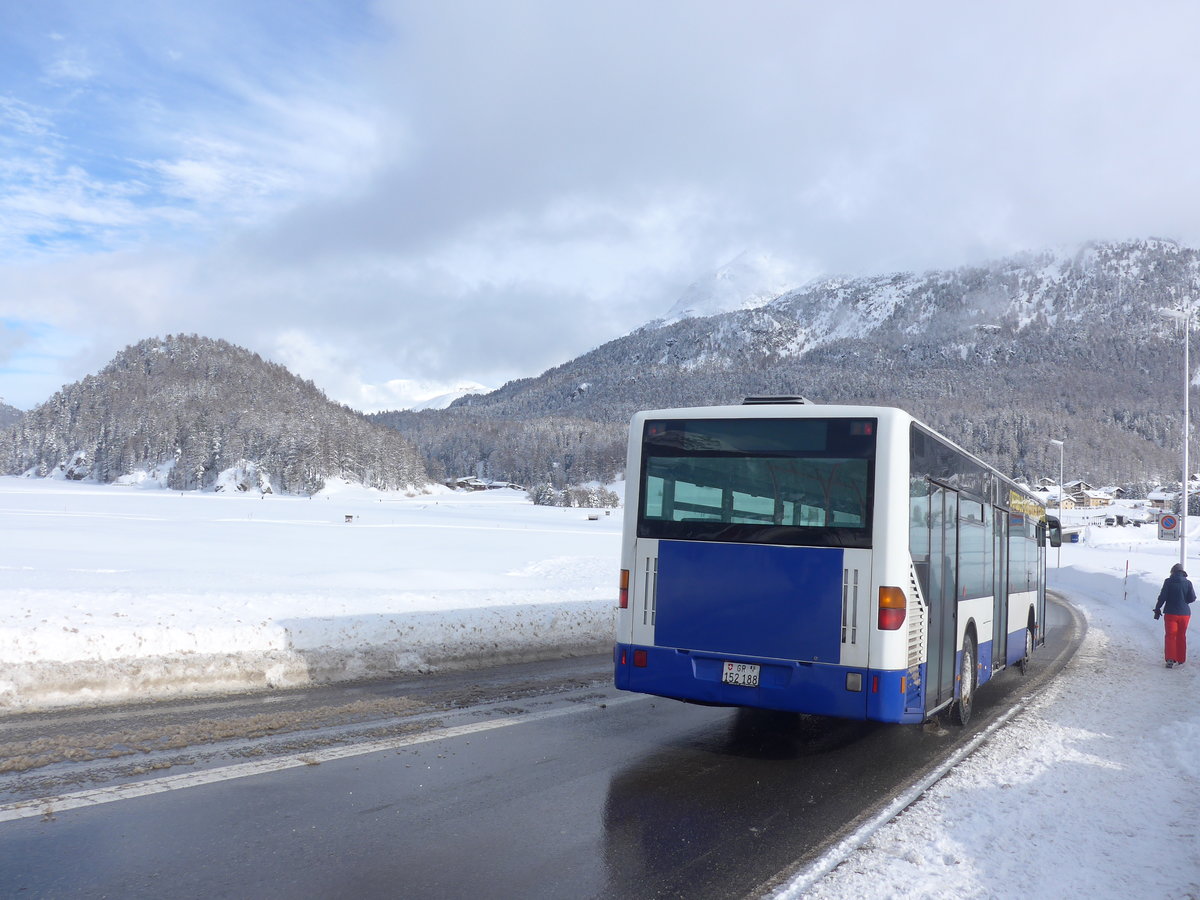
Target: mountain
[[748, 281], [426, 395], [442, 400], [199, 408], [1000, 357], [407, 393]]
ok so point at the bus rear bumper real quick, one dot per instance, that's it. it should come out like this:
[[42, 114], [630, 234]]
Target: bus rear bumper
[[815, 688]]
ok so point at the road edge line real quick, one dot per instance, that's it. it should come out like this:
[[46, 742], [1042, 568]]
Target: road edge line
[[48, 806]]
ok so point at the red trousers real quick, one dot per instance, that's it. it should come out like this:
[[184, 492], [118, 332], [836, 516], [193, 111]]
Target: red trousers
[[1175, 644]]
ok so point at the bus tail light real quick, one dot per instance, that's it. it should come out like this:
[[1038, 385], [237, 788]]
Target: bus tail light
[[641, 659], [893, 606], [623, 602]]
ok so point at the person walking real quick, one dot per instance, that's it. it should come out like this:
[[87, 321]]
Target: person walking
[[1174, 601]]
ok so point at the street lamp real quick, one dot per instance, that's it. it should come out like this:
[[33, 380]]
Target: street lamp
[[1060, 495], [1184, 315]]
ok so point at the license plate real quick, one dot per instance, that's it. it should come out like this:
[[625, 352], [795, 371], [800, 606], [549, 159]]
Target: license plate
[[744, 674]]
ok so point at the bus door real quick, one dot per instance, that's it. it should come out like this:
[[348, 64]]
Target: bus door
[[943, 593], [1000, 624], [1041, 583]]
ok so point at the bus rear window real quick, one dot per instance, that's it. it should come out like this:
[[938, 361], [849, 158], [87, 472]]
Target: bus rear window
[[771, 481]]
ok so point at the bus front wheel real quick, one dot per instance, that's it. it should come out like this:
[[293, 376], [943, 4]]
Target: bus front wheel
[[960, 712]]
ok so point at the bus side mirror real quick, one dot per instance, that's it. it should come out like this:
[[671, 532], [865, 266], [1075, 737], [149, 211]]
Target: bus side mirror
[[1054, 531]]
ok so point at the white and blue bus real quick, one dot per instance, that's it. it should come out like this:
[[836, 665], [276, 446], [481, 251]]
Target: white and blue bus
[[834, 560]]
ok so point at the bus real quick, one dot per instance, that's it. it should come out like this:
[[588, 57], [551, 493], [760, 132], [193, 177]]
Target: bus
[[842, 561]]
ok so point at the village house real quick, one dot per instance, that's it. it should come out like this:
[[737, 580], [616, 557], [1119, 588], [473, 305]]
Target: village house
[[1049, 498], [1090, 499], [1162, 499]]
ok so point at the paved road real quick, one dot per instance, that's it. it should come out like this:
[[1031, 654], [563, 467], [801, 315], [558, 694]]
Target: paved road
[[544, 782]]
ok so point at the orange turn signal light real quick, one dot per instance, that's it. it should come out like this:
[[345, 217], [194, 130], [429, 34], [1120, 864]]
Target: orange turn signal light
[[893, 607]]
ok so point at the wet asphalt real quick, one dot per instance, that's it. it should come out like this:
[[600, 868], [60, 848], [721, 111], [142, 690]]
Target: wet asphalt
[[594, 793]]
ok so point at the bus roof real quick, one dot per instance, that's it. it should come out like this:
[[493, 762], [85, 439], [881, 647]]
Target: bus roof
[[777, 411]]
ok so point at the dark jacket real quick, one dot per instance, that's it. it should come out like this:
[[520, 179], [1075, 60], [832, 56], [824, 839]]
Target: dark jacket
[[1177, 592]]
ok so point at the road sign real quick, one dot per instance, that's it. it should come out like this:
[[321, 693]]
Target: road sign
[[1168, 528]]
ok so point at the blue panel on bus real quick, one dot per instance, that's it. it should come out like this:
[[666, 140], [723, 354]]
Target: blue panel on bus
[[814, 688], [750, 599]]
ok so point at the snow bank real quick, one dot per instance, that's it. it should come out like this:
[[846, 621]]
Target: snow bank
[[109, 594]]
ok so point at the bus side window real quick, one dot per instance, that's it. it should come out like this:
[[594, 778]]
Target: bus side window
[[654, 496]]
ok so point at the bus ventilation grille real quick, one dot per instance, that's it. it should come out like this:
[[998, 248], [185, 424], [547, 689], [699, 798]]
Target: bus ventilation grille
[[917, 616], [849, 606], [650, 591]]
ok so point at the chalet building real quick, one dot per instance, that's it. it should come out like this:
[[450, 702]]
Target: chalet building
[[1162, 499], [1049, 497], [1090, 499]]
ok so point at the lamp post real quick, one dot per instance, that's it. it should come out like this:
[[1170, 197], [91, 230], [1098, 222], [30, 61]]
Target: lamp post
[[1060, 495], [1184, 315]]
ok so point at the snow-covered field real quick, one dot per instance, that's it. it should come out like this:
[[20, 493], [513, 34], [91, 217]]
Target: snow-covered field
[[111, 593]]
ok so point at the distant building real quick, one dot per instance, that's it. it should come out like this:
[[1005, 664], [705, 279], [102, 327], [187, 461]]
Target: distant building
[[471, 483], [1090, 499], [1049, 498], [1162, 499]]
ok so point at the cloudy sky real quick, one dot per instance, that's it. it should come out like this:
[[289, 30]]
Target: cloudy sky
[[375, 193]]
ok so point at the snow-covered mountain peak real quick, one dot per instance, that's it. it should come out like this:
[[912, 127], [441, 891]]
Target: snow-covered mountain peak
[[748, 281], [416, 394]]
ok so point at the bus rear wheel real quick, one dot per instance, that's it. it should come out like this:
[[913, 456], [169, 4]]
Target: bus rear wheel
[[960, 711], [1024, 663]]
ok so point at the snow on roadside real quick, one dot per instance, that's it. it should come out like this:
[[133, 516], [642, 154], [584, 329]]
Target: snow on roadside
[[1093, 791], [109, 593]]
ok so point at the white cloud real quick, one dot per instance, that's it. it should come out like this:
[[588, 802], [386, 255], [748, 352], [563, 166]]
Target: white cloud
[[407, 191], [340, 376], [71, 65], [23, 118]]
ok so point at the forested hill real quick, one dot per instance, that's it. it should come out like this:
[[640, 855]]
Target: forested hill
[[9, 415], [199, 407], [1000, 357]]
